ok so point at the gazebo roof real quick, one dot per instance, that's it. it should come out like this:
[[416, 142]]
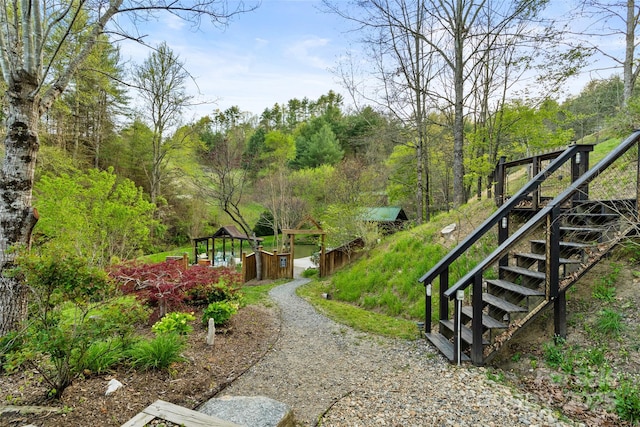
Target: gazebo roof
[[230, 232]]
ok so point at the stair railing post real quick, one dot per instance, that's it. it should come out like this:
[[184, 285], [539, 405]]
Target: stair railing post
[[638, 186], [476, 325], [444, 301], [427, 308], [535, 194], [457, 326], [579, 165], [500, 180], [503, 234], [553, 253]]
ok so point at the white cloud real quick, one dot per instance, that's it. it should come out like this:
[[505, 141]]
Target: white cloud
[[260, 42], [172, 22], [309, 51]]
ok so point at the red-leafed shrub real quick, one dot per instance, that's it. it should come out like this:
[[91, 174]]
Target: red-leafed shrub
[[167, 285]]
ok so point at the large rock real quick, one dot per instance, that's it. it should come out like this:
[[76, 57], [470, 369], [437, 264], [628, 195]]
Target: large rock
[[249, 411]]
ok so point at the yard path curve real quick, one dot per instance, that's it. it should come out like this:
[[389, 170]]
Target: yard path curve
[[331, 375]]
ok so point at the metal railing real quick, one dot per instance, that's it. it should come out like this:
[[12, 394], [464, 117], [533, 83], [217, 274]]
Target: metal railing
[[547, 218], [499, 217]]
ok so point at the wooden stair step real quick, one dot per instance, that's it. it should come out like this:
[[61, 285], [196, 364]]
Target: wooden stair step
[[501, 304], [592, 217], [445, 346], [512, 287], [590, 230], [542, 257], [466, 334], [523, 271], [573, 245], [487, 321]]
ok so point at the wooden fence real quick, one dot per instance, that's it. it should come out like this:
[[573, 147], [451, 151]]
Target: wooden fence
[[274, 265], [337, 258]]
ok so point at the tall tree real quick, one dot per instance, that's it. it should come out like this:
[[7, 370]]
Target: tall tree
[[29, 49], [617, 20], [161, 83], [436, 48], [228, 181]]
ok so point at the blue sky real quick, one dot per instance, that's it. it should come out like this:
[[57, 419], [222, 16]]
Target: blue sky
[[283, 50]]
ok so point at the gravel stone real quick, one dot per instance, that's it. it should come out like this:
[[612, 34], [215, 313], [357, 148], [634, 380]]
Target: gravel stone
[[332, 375]]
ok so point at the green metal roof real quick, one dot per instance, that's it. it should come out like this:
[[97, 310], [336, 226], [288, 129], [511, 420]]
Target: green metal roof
[[384, 214]]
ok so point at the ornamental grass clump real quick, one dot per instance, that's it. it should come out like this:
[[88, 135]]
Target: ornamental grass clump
[[158, 353]]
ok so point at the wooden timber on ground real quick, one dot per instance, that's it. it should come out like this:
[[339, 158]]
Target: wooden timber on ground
[[176, 414]]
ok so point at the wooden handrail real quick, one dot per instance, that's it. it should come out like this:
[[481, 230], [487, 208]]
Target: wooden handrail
[[444, 263], [583, 180]]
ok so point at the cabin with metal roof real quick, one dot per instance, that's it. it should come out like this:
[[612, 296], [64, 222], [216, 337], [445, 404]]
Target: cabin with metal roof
[[389, 218]]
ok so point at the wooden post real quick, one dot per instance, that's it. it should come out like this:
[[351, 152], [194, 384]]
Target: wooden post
[[500, 182], [444, 301], [560, 315], [553, 253], [292, 239], [476, 325], [535, 194], [427, 308], [503, 234]]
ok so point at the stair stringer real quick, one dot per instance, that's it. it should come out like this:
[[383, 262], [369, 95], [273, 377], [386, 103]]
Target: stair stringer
[[520, 325]]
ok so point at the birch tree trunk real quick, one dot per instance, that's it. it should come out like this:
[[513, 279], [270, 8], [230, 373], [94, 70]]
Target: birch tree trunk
[[17, 216]]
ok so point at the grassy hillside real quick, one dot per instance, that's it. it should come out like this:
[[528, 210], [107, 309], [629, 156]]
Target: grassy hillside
[[386, 279]]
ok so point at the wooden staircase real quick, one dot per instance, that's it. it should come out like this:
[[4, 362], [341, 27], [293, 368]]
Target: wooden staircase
[[561, 237]]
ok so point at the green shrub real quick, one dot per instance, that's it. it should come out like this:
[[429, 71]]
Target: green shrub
[[77, 306], [628, 401], [158, 353], [220, 312], [207, 293], [174, 322]]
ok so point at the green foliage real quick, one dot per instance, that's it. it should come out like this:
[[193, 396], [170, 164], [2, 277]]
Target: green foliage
[[386, 280], [220, 312], [158, 353], [357, 317], [315, 149], [94, 214], [265, 224], [609, 322], [74, 306], [553, 354], [102, 356], [627, 400], [605, 290], [310, 272], [592, 107], [174, 322]]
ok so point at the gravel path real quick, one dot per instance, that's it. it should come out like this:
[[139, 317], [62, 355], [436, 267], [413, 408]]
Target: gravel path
[[334, 376]]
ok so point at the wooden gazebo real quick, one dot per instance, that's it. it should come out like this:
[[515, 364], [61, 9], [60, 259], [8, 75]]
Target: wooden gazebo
[[228, 232]]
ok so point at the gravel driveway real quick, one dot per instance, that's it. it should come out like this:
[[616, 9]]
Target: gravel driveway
[[332, 375]]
